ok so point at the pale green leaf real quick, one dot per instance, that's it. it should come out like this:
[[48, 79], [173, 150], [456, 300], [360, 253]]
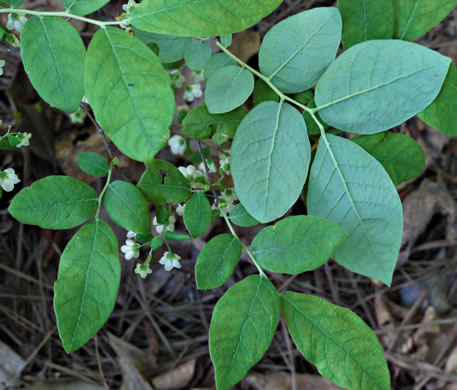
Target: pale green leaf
[[442, 113], [86, 288], [55, 202], [413, 18], [379, 84], [203, 18], [129, 92], [197, 54], [217, 62], [338, 342], [399, 154], [83, 7], [226, 40], [242, 328], [297, 244], [197, 214], [349, 187], [127, 207], [270, 160], [364, 20], [295, 52], [93, 164], [53, 54], [228, 88], [171, 48], [217, 261], [240, 217]]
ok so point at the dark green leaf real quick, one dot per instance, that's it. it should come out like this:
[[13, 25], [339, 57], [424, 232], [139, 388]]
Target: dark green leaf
[[197, 214], [162, 215], [263, 93], [173, 236], [93, 164], [199, 123]]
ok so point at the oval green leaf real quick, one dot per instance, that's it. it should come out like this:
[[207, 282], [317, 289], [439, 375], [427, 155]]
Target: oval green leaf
[[295, 52], [205, 18], [228, 88], [413, 18], [217, 261], [55, 202], [297, 244], [217, 62], [197, 214], [270, 160], [442, 113], [240, 217], [242, 327], [338, 342], [197, 54], [87, 284], [364, 20], [129, 92], [53, 54], [83, 7], [93, 164], [127, 207], [400, 155], [199, 123], [404, 78], [171, 48], [350, 188]]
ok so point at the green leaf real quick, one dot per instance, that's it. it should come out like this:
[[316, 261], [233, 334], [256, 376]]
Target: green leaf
[[228, 88], [311, 125], [377, 85], [127, 207], [174, 236], [13, 3], [338, 342], [87, 284], [197, 54], [242, 328], [163, 183], [93, 164], [270, 160], [226, 40], [55, 202], [217, 62], [400, 155], [217, 261], [205, 18], [197, 214], [295, 52], [129, 92], [263, 93], [297, 244], [240, 217], [171, 48], [352, 189], [199, 123], [83, 7], [364, 20], [413, 18], [53, 54], [442, 113], [229, 122], [162, 215]]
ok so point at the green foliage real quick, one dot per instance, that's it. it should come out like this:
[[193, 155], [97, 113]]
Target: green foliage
[[13, 3], [199, 19], [240, 217], [296, 51], [350, 188], [413, 18], [237, 342], [93, 164], [336, 341], [171, 48], [364, 20], [270, 152], [217, 62], [217, 261], [297, 244], [173, 236], [197, 54], [87, 284], [53, 54], [228, 88], [263, 93], [123, 76], [197, 214], [404, 79], [55, 202], [83, 7], [400, 155], [127, 207]]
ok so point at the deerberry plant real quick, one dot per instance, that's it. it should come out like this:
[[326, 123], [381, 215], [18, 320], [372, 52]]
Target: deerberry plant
[[304, 98]]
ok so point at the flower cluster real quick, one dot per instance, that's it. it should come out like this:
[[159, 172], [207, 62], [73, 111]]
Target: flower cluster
[[195, 176], [192, 92], [16, 22], [131, 249], [224, 164], [226, 201], [8, 179]]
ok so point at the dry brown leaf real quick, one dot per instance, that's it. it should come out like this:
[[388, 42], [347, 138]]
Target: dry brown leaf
[[451, 363], [177, 378], [11, 365], [245, 44]]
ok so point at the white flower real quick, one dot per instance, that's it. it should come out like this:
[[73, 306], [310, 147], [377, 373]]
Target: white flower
[[143, 270], [170, 227], [124, 24], [16, 22], [24, 138], [8, 179], [177, 145], [211, 166], [78, 116], [224, 163], [131, 249], [131, 234], [127, 7], [193, 91], [176, 77], [180, 210], [192, 174], [226, 200], [170, 260], [199, 75], [2, 64]]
